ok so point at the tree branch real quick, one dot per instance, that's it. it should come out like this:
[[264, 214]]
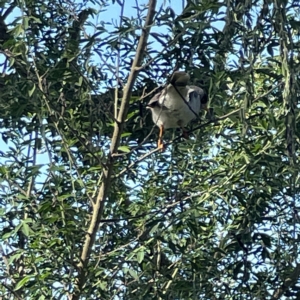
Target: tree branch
[[143, 157], [107, 172], [290, 280]]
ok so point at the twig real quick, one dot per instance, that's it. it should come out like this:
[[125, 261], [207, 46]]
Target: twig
[[110, 68], [141, 158], [47, 101], [150, 93], [170, 43], [11, 291], [137, 147], [118, 63], [290, 280], [268, 92]]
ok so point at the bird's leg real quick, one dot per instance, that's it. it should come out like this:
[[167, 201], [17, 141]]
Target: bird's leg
[[160, 144], [184, 131]]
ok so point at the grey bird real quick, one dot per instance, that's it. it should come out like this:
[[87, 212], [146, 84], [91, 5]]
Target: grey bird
[[176, 105]]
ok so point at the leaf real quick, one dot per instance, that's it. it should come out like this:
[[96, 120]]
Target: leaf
[[133, 274], [30, 92], [25, 22], [126, 134], [18, 30], [266, 240], [80, 80], [22, 282], [14, 257], [140, 255], [25, 229], [125, 149]]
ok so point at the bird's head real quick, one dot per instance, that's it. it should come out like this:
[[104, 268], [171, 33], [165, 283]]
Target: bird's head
[[180, 78]]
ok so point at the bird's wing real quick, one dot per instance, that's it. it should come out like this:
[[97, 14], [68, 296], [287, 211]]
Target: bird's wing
[[154, 101], [195, 90]]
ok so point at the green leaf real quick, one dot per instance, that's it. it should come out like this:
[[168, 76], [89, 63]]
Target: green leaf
[[31, 91], [16, 256], [125, 149], [22, 282], [126, 134], [140, 255], [133, 274], [80, 80], [25, 229]]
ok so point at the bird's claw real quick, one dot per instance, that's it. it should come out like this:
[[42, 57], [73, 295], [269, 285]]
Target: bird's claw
[[185, 134]]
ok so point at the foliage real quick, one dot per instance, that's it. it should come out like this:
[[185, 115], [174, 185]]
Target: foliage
[[90, 209]]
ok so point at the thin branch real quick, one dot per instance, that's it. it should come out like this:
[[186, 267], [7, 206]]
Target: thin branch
[[167, 285], [11, 291], [111, 69], [153, 213], [290, 280], [139, 159], [150, 93], [118, 61], [106, 112], [143, 157], [268, 92], [116, 250], [6, 262], [107, 172], [47, 101], [34, 157], [137, 147], [167, 46]]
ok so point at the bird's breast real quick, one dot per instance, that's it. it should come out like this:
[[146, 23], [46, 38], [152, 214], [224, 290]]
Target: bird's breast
[[172, 110]]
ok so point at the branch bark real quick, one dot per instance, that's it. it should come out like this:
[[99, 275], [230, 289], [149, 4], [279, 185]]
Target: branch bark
[[99, 203]]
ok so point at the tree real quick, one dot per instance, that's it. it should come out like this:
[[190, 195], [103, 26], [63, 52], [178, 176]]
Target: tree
[[91, 210]]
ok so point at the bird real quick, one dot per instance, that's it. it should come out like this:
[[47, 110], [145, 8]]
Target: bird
[[176, 105]]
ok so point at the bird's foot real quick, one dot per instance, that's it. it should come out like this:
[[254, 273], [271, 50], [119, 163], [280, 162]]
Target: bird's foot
[[160, 145], [185, 134]]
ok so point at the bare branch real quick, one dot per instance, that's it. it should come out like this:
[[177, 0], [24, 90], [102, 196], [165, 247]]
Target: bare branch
[[122, 4], [107, 172]]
